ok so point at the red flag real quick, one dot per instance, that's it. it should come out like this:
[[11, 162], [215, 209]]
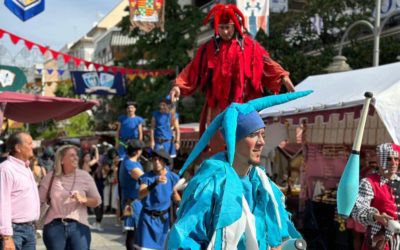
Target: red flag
[[15, 39], [123, 71], [42, 49], [66, 57], [54, 54], [28, 44], [77, 61], [114, 69], [96, 66], [105, 68], [87, 64], [1, 33]]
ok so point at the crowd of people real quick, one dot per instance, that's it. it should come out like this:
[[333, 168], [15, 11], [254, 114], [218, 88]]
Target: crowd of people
[[226, 201]]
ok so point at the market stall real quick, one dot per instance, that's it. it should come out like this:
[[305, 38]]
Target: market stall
[[29, 108], [322, 126]]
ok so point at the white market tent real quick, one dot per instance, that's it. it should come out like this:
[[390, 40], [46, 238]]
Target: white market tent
[[330, 113]]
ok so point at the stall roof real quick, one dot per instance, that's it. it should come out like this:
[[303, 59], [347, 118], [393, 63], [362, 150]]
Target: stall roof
[[31, 108], [341, 91]]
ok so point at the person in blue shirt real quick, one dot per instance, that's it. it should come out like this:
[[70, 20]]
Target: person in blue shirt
[[129, 126], [156, 191], [165, 133], [230, 203], [129, 173]]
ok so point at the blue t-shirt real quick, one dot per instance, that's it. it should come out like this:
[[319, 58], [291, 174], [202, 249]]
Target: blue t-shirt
[[129, 127], [163, 125], [159, 198], [129, 186]]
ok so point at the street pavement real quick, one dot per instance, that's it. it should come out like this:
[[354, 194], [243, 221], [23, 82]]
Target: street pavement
[[112, 238]]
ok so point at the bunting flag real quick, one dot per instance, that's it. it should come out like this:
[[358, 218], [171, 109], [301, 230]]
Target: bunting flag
[[147, 14], [25, 9], [78, 61], [98, 83], [11, 78], [255, 14]]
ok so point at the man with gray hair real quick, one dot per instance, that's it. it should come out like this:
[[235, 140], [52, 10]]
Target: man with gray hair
[[378, 203], [19, 198]]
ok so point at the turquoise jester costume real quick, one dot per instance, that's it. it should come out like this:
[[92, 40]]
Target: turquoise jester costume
[[219, 208]]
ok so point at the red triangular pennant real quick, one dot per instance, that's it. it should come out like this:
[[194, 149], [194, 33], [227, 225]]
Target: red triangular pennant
[[105, 68], [28, 44], [54, 54], [96, 66], [42, 49], [87, 64], [114, 70], [1, 33], [15, 39], [123, 71], [77, 61], [67, 58]]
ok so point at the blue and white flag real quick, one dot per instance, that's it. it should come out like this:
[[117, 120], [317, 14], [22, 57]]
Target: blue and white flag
[[25, 9], [98, 83]]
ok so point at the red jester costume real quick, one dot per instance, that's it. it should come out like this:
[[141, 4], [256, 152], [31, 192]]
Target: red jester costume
[[231, 67]]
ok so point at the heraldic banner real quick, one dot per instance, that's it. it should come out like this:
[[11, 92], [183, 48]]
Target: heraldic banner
[[11, 78], [147, 14], [98, 83], [256, 14], [25, 9]]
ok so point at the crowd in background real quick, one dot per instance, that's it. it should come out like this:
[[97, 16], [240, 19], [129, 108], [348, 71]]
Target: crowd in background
[[131, 179]]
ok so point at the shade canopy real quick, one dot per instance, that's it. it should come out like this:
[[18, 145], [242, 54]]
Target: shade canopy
[[343, 93], [29, 108]]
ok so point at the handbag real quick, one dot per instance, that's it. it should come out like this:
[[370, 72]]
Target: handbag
[[44, 207]]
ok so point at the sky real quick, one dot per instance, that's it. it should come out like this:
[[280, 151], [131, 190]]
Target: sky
[[62, 22]]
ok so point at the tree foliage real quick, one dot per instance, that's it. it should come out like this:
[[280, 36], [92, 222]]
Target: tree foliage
[[168, 49], [292, 42]]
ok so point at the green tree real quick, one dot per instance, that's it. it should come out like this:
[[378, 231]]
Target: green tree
[[303, 52], [160, 50]]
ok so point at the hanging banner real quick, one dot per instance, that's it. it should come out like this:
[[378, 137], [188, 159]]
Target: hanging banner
[[98, 83], [255, 14], [11, 78], [147, 14], [25, 9]]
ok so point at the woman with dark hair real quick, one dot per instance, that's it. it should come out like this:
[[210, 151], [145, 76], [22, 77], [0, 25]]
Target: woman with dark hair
[[72, 192]]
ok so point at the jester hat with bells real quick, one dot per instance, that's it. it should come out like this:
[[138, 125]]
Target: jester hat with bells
[[238, 121], [224, 14]]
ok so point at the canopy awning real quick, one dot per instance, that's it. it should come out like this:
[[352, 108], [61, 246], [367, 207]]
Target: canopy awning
[[343, 93], [29, 108]]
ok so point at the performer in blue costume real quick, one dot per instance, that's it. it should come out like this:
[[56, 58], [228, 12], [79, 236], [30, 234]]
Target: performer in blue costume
[[231, 203], [129, 173], [129, 126], [156, 192], [161, 134]]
